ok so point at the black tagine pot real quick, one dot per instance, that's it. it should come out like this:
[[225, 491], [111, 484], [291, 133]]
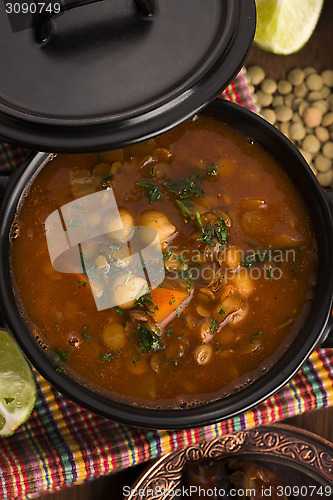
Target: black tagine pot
[[312, 335]]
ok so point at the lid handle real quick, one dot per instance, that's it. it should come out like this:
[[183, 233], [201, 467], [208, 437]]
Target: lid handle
[[42, 21]]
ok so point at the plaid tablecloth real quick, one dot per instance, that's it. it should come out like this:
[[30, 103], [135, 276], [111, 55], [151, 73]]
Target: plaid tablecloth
[[62, 444]]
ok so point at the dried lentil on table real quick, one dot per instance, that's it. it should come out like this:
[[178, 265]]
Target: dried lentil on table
[[301, 107], [312, 117], [256, 74]]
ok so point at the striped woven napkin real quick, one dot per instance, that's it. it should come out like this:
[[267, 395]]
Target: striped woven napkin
[[62, 444]]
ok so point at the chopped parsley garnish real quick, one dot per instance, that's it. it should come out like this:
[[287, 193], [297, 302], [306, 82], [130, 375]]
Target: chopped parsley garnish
[[221, 232], [148, 341], [255, 257], [214, 325], [222, 311], [81, 283], [154, 192], [167, 255], [61, 357], [186, 189], [255, 336], [57, 325], [208, 235], [169, 332], [187, 283], [183, 261], [106, 180], [218, 230], [108, 357], [199, 221], [119, 310], [185, 208], [212, 169], [145, 301], [8, 400]]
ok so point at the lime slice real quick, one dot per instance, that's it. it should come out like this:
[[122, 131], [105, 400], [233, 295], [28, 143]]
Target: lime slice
[[18, 389], [284, 26]]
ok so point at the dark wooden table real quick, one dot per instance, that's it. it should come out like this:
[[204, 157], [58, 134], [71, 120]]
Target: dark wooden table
[[317, 53]]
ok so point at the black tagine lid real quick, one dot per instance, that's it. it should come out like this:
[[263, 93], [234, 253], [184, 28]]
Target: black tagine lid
[[84, 75]]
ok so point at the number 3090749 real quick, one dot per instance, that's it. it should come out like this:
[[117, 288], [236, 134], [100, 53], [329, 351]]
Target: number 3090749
[[32, 7]]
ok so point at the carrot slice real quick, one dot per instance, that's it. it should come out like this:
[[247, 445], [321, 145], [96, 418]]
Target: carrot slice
[[165, 302]]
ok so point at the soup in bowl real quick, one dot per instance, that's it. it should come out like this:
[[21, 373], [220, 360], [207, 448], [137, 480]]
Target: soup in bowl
[[168, 277]]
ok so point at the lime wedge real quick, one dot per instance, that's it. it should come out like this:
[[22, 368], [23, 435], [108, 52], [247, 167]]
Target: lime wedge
[[284, 26], [18, 389]]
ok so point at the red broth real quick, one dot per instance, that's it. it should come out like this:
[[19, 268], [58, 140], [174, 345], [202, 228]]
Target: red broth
[[239, 255]]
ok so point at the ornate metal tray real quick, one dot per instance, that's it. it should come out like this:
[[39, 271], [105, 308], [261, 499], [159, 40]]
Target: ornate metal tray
[[302, 459]]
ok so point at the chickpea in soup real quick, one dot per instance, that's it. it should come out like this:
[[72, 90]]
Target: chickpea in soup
[[225, 288]]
